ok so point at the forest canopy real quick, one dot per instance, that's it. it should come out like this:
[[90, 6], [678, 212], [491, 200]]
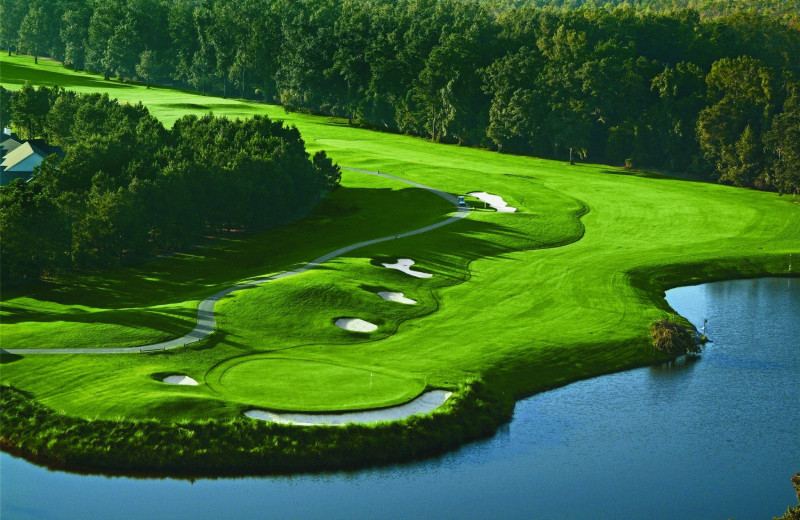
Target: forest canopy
[[128, 188], [712, 89], [708, 8]]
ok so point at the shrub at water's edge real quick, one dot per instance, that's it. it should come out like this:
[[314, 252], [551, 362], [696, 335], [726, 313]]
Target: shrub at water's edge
[[673, 338], [793, 512], [240, 446]]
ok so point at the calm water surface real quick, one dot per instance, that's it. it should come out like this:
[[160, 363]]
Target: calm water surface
[[716, 438]]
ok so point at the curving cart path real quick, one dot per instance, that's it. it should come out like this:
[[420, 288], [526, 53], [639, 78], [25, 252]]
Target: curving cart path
[[205, 311]]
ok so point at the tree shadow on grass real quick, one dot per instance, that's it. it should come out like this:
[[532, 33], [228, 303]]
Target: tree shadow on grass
[[171, 322], [15, 74], [449, 250], [672, 176], [348, 216], [446, 252], [7, 357]]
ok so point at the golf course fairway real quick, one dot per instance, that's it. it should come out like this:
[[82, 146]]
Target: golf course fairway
[[564, 288]]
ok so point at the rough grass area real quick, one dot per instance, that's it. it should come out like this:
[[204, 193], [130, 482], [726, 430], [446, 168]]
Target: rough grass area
[[566, 288]]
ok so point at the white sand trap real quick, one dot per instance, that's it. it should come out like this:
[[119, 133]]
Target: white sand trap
[[396, 297], [424, 403], [495, 201], [180, 380], [355, 325], [404, 265]]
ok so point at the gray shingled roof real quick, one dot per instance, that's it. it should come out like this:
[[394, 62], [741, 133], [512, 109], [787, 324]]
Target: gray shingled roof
[[8, 145], [18, 155]]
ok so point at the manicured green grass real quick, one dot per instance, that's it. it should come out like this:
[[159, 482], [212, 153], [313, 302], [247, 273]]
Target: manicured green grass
[[564, 289], [260, 380]]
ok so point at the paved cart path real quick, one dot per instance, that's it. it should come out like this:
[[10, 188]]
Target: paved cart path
[[205, 311]]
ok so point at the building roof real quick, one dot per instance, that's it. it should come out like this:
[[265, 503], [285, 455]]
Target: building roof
[[7, 177], [8, 145], [19, 154], [40, 145]]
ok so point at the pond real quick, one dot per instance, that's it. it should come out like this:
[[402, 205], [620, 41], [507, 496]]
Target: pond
[[711, 438]]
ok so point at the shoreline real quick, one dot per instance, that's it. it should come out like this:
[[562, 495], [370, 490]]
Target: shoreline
[[474, 411]]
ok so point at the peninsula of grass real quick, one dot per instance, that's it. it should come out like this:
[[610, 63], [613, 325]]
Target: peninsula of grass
[[565, 288]]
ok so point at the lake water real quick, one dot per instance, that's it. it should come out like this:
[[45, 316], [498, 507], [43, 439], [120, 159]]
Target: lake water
[[714, 438]]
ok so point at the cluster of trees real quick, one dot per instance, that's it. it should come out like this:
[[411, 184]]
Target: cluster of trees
[[718, 96], [127, 187]]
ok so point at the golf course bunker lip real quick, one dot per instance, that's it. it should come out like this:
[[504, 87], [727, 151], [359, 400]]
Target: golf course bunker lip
[[495, 201], [424, 403], [355, 325], [404, 265], [396, 297], [180, 379]]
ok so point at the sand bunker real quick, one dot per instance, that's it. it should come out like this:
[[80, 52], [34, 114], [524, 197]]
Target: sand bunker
[[179, 380], [396, 297], [494, 201], [425, 403], [404, 264], [355, 325]]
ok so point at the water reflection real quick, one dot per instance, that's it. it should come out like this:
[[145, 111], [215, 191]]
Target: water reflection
[[682, 364]]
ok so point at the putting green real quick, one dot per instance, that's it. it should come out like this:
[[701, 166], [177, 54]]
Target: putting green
[[306, 385]]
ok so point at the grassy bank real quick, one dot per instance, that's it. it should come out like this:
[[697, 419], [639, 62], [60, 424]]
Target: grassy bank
[[564, 289], [239, 446]]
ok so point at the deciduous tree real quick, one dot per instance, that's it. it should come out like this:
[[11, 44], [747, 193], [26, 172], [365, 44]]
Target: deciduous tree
[[741, 91], [782, 144], [31, 32], [30, 109], [11, 14], [74, 36]]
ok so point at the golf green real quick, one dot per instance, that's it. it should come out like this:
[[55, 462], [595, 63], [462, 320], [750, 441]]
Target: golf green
[[305, 385]]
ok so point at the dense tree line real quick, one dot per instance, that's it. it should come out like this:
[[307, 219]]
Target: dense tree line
[[716, 96], [127, 187], [787, 8]]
